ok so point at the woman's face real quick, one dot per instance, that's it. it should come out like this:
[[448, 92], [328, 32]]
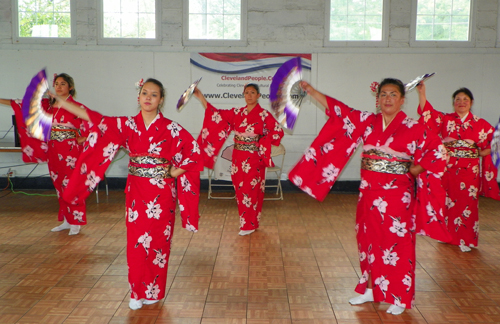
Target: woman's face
[[462, 104], [390, 99], [150, 97], [62, 87], [251, 96]]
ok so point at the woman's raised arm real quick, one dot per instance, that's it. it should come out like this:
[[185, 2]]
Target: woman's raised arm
[[72, 108], [318, 96], [5, 102]]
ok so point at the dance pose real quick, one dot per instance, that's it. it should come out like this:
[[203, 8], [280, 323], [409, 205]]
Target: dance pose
[[470, 171], [160, 152], [61, 151], [396, 151], [255, 131]]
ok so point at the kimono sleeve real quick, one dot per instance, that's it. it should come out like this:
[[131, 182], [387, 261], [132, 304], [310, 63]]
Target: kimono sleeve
[[106, 135], [430, 117], [83, 126], [273, 133], [431, 196], [325, 158], [217, 125], [187, 157], [33, 149], [489, 185]]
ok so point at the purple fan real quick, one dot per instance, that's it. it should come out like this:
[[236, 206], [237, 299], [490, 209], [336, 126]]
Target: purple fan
[[38, 121], [187, 95], [285, 92], [495, 146], [410, 86]]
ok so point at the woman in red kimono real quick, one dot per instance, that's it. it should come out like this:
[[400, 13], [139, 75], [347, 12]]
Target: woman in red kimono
[[160, 153], [396, 150], [255, 131], [60, 152], [470, 169]]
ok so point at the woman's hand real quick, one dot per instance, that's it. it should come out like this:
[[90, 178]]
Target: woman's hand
[[416, 169], [175, 172], [483, 153], [197, 93], [321, 98], [422, 98], [80, 140], [306, 87]]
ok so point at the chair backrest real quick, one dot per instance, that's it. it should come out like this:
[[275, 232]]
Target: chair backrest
[[277, 150]]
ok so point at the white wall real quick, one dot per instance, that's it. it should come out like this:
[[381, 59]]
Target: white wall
[[105, 75]]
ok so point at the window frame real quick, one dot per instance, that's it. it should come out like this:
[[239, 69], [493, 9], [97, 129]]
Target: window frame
[[43, 40], [215, 42], [439, 44], [101, 40], [384, 42]]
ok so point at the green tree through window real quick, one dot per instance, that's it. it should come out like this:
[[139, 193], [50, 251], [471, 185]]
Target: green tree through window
[[356, 20], [215, 19], [44, 18], [443, 20]]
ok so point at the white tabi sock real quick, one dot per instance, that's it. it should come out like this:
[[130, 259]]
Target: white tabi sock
[[64, 226], [74, 229], [149, 302], [242, 232], [395, 310], [135, 304], [365, 298]]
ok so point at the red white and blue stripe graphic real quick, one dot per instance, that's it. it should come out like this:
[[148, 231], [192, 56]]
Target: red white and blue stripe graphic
[[233, 63]]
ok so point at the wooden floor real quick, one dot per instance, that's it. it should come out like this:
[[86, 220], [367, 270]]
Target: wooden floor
[[300, 267]]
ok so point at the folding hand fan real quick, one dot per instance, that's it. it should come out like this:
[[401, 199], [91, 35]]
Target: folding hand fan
[[38, 121], [285, 92], [410, 86], [187, 95]]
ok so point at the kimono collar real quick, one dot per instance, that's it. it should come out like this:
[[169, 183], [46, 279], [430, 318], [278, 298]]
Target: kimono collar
[[140, 120], [468, 117], [382, 134], [257, 107]]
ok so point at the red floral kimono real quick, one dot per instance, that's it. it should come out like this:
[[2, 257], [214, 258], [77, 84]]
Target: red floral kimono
[[255, 132], [151, 193], [467, 176], [61, 152], [389, 212]]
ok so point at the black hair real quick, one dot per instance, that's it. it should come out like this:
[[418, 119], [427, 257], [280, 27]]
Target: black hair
[[465, 91], [395, 82], [253, 85]]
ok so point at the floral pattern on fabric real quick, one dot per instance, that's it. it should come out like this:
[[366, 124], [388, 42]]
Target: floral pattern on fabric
[[60, 156], [248, 167], [465, 178], [389, 211], [150, 202]]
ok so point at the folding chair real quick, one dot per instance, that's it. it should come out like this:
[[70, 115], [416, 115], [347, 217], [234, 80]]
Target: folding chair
[[277, 170]]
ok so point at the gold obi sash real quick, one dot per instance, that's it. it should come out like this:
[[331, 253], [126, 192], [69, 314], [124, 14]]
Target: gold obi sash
[[246, 143], [61, 133], [377, 161], [147, 166], [462, 149]]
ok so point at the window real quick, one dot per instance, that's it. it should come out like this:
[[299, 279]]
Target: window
[[215, 20], [443, 20], [43, 19], [129, 21], [356, 20]]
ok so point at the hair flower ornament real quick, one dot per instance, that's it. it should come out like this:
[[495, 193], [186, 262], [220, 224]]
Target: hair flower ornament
[[54, 80], [138, 87]]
